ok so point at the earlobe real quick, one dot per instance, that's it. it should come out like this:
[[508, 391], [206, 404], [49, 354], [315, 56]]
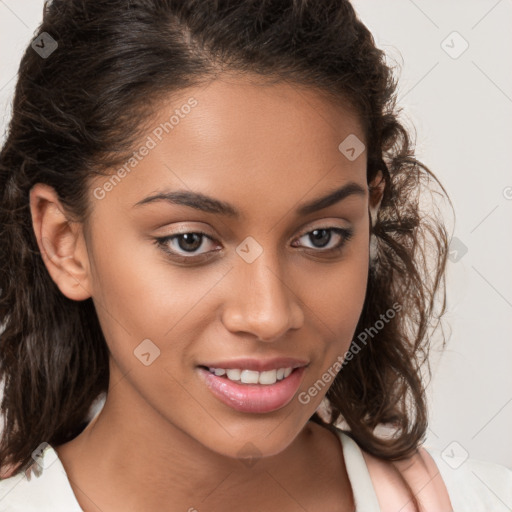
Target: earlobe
[[60, 242]]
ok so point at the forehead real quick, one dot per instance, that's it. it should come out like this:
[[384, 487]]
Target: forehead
[[251, 111], [245, 138]]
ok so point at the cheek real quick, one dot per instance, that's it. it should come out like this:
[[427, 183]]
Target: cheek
[[139, 295], [336, 293], [336, 297]]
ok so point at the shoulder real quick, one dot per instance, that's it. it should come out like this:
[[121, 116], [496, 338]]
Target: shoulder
[[463, 484], [43, 487]]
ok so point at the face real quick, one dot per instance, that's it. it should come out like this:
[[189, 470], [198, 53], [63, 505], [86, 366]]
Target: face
[[262, 271]]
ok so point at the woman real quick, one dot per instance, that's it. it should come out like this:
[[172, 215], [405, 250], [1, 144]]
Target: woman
[[210, 218]]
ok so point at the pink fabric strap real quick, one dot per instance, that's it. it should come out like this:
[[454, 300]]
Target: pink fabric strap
[[421, 474]]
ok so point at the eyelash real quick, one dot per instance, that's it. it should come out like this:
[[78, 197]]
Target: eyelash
[[345, 233]]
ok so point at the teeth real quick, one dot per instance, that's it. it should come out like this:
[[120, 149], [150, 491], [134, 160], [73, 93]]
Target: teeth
[[268, 377], [252, 377], [249, 377], [233, 374]]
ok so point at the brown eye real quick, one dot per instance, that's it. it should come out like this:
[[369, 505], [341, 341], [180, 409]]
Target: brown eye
[[181, 244], [189, 241], [321, 237]]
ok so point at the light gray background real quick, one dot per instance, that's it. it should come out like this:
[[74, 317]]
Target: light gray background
[[461, 108]]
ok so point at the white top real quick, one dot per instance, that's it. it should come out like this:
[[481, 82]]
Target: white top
[[473, 485]]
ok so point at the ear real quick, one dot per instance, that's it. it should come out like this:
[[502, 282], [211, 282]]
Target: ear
[[61, 243], [376, 188]]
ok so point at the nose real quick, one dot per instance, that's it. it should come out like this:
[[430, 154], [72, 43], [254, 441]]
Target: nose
[[262, 301]]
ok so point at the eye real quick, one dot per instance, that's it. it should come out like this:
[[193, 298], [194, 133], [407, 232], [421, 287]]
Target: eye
[[321, 238], [187, 242]]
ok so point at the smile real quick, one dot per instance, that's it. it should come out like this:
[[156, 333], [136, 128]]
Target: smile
[[242, 390]]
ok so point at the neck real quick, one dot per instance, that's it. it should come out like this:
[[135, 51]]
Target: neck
[[131, 446]]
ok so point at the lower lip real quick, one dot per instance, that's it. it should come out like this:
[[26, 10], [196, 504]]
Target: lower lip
[[255, 398]]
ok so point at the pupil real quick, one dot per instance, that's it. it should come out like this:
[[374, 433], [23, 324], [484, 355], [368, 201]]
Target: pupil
[[189, 238], [315, 233]]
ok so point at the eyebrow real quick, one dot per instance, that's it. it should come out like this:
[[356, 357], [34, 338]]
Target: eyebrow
[[208, 204]]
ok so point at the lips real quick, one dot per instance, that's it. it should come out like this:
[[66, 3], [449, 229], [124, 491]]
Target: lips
[[254, 385], [253, 398]]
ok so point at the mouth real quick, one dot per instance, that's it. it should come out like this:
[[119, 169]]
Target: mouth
[[253, 391]]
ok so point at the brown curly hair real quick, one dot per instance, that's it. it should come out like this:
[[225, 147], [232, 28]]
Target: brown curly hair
[[78, 111]]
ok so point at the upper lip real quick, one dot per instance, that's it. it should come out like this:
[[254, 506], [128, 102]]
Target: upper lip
[[259, 365]]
